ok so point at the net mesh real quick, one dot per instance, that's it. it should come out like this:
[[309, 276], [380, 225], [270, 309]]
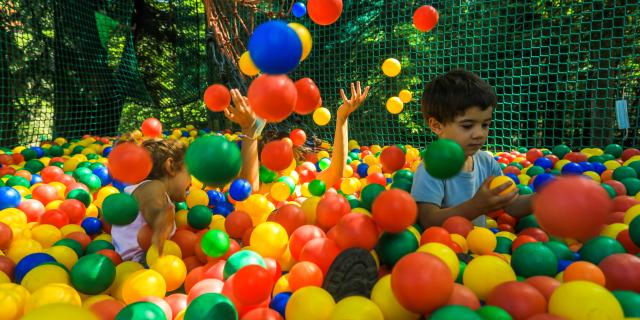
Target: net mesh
[[558, 67]]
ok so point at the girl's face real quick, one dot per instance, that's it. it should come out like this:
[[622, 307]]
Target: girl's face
[[178, 184]]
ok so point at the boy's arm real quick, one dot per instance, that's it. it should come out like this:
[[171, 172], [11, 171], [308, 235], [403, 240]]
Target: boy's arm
[[156, 211], [242, 114], [520, 207], [340, 140]]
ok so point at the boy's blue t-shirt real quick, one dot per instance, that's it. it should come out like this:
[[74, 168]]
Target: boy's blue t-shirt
[[457, 189]]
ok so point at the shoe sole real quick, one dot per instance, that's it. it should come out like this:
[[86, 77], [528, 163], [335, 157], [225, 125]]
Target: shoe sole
[[352, 273]]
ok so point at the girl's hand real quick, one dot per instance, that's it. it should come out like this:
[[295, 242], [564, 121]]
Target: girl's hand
[[350, 105], [241, 112]]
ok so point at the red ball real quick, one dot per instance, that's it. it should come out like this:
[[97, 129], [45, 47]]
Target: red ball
[[623, 203], [7, 266], [273, 267], [536, 233], [262, 314], [622, 272], [303, 274], [193, 277], [32, 208], [276, 155], [463, 296], [252, 284], [520, 299], [186, 240], [520, 240], [289, 216], [82, 238], [425, 18], [394, 210], [572, 207], [272, 97], [151, 127], [107, 309], [625, 239], [458, 225], [392, 159], [51, 173], [74, 209], [129, 163], [378, 178], [321, 251], [330, 209], [544, 284], [204, 286], [177, 302], [298, 137], [237, 223], [45, 193], [324, 12], [301, 236], [6, 235], [309, 98], [617, 186], [217, 97], [66, 179], [55, 217], [628, 153], [112, 255], [356, 230], [575, 157], [534, 154], [435, 234], [415, 272]]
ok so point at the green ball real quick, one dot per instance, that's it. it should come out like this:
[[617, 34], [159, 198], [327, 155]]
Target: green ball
[[534, 259], [515, 164], [179, 206], [624, 172], [606, 157], [93, 156], [503, 245], [56, 151], [96, 165], [635, 166], [535, 170], [57, 164], [596, 159], [614, 150], [353, 201], [199, 217], [561, 150], [454, 312], [632, 185], [598, 248], [610, 190], [502, 166], [317, 187], [630, 302], [443, 159], [545, 152], [241, 259], [353, 156], [462, 267], [34, 166], [2, 183], [93, 274], [324, 163], [29, 154], [70, 243], [634, 230], [80, 195], [97, 245], [403, 174], [402, 184], [120, 209], [393, 246], [524, 189], [493, 313], [560, 249], [215, 243], [92, 181], [84, 164], [211, 306], [81, 171], [369, 193], [141, 310], [527, 222], [522, 149], [213, 160], [77, 149], [18, 181], [266, 175]]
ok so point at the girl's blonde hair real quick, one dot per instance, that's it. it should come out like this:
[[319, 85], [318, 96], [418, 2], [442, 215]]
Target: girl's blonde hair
[[161, 150]]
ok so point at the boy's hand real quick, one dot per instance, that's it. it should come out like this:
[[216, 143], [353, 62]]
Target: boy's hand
[[350, 105], [488, 200], [241, 112]]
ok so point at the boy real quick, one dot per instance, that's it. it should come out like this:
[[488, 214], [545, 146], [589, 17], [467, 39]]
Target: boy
[[458, 106]]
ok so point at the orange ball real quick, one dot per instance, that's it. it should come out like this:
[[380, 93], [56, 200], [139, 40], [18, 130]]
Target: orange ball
[[324, 12], [276, 155], [217, 97], [129, 163], [303, 274], [107, 309], [356, 230], [186, 240], [585, 271], [435, 234], [237, 223], [394, 210]]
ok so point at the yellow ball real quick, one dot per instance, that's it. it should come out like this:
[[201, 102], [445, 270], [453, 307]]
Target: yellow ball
[[60, 311], [356, 308], [305, 38], [460, 241], [44, 275], [64, 255], [12, 299], [104, 192], [172, 269], [217, 223], [181, 218], [374, 169], [611, 164], [53, 293], [310, 303], [280, 191], [46, 234], [445, 254], [71, 228], [123, 271], [484, 273], [13, 216], [414, 232], [143, 283], [500, 180], [382, 296], [481, 241], [269, 239], [285, 260], [323, 154], [197, 197], [584, 300], [322, 116], [169, 248], [394, 105], [491, 223], [362, 211], [282, 285], [348, 186], [55, 204], [391, 67], [60, 187], [23, 247], [88, 302], [405, 96], [506, 234], [631, 214], [593, 175], [309, 208], [524, 179], [612, 230], [347, 172], [304, 190]]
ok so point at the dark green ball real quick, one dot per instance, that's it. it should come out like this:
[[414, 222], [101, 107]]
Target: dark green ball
[[535, 170], [493, 313], [596, 159], [515, 164], [606, 157], [534, 259], [614, 150], [213, 160], [523, 189], [393, 246], [403, 174], [632, 185], [266, 175], [18, 181], [97, 245], [630, 302], [454, 312], [443, 159], [624, 172], [561, 150], [141, 310], [34, 166], [610, 190], [634, 230], [29, 154], [77, 149], [84, 164], [199, 217], [369, 193], [80, 195], [503, 245], [527, 222], [56, 151], [120, 209], [560, 249], [598, 248], [181, 206], [402, 184], [93, 274], [635, 165], [211, 306]]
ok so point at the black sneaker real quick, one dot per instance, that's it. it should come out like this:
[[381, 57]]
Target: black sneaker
[[352, 273]]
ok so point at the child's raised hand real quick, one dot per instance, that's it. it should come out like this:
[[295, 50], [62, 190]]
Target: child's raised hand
[[350, 105], [240, 112], [488, 200]]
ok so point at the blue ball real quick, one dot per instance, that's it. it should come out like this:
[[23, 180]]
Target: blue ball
[[513, 177], [223, 208], [215, 197], [106, 151], [91, 225], [103, 174], [542, 180], [362, 170], [279, 302], [544, 162], [118, 185], [586, 166], [598, 167], [494, 230], [29, 262], [185, 134], [35, 178], [299, 10], [240, 189], [39, 151], [572, 168], [356, 151], [563, 264], [9, 198], [275, 48]]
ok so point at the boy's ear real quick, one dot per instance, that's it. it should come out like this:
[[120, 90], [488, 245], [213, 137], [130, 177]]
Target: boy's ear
[[435, 126]]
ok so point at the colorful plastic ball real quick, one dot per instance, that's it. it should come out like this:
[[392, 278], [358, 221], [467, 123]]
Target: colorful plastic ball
[[91, 225], [391, 68], [143, 283], [9, 198], [151, 127], [269, 239], [392, 159], [598, 248], [52, 294], [252, 284], [213, 152], [298, 137], [584, 300], [454, 312], [279, 302], [60, 311], [520, 299], [172, 269], [141, 310], [394, 210], [309, 98], [103, 174], [29, 262], [299, 10], [305, 38], [393, 246], [356, 230], [629, 301], [317, 187], [310, 303], [289, 216], [622, 272], [217, 97], [301, 236], [129, 163], [275, 48], [321, 251], [484, 273], [97, 245], [572, 168], [199, 217], [241, 259], [394, 104], [215, 243], [324, 12], [584, 271], [425, 18], [93, 274], [534, 259], [330, 209], [321, 116], [276, 155], [356, 308], [120, 209], [240, 189], [246, 66], [443, 158], [383, 297]]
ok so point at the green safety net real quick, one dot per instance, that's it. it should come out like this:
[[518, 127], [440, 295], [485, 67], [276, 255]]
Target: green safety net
[[558, 67]]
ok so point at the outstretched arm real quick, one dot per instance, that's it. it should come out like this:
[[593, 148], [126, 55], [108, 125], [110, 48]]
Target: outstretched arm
[[242, 114], [340, 140]]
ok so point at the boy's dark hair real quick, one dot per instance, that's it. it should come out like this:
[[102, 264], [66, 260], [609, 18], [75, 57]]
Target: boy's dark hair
[[450, 94], [161, 150]]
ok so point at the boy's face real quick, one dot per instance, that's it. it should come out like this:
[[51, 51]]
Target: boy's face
[[469, 130]]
